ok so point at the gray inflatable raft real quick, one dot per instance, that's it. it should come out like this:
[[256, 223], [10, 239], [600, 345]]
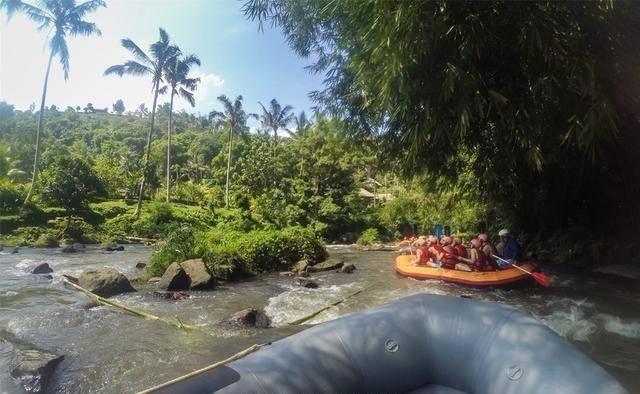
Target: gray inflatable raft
[[419, 344]]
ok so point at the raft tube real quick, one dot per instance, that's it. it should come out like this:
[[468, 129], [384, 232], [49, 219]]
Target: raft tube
[[494, 278], [418, 344]]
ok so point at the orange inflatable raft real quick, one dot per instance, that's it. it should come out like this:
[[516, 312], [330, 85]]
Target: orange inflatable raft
[[495, 278]]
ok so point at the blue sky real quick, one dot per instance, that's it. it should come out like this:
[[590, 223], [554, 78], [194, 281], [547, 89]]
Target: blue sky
[[236, 58]]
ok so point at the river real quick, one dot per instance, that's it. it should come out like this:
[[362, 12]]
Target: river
[[107, 351]]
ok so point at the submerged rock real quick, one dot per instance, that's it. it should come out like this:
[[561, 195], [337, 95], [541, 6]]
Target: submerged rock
[[250, 317], [141, 265], [42, 269], [15, 250], [348, 268], [287, 273], [105, 282], [188, 275], [32, 368], [68, 249], [114, 248], [172, 295], [305, 282], [328, 265]]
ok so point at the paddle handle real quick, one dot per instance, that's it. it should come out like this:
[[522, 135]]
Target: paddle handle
[[513, 265]]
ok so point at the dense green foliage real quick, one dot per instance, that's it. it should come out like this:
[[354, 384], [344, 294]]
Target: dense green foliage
[[536, 99], [230, 254]]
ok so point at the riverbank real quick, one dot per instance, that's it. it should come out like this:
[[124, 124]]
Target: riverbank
[[107, 351]]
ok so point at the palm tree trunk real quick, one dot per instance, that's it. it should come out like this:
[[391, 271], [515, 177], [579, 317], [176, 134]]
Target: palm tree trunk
[[275, 134], [36, 161], [226, 191], [169, 147], [145, 169]]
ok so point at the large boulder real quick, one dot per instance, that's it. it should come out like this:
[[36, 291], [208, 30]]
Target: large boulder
[[188, 275], [199, 275], [105, 282], [174, 279], [42, 268], [32, 368], [327, 265], [300, 266]]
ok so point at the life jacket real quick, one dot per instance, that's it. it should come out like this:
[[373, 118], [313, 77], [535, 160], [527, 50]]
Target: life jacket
[[480, 264], [460, 251], [449, 260], [424, 255], [437, 249]]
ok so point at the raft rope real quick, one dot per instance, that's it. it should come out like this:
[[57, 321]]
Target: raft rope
[[136, 312], [239, 355]]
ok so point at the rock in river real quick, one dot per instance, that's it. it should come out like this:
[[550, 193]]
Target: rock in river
[[305, 282], [42, 269], [105, 282], [188, 275], [348, 268], [250, 317], [32, 368], [328, 265]]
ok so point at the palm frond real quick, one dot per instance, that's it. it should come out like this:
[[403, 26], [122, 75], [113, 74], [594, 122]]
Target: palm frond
[[164, 37], [59, 47], [187, 95], [11, 7], [163, 89], [84, 29], [135, 50], [89, 6], [37, 15], [190, 60], [190, 83], [130, 67]]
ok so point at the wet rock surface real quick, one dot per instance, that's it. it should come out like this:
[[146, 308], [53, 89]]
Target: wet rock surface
[[347, 268], [31, 368], [328, 265], [188, 275], [305, 282], [250, 317], [105, 282], [43, 268]]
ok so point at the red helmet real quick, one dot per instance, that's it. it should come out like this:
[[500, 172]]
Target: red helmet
[[483, 237], [476, 243], [457, 241], [447, 240]]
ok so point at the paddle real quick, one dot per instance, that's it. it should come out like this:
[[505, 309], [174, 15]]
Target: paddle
[[540, 278]]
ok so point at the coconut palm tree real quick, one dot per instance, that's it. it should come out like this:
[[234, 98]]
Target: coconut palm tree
[[64, 18], [153, 65], [176, 74], [235, 118], [276, 117], [302, 125]]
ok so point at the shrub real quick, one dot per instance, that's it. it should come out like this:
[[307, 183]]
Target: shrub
[[230, 254], [11, 198], [46, 240], [368, 237]]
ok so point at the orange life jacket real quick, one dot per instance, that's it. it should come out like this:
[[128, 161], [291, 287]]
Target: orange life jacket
[[481, 263], [449, 260], [435, 250], [460, 251], [424, 255]]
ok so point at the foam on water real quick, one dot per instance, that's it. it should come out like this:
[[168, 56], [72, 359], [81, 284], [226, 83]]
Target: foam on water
[[629, 328], [570, 320]]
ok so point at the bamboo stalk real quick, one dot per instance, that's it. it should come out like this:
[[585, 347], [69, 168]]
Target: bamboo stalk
[[136, 312], [319, 311], [239, 355]]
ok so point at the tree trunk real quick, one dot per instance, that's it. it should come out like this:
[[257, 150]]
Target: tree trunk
[[136, 214], [226, 191], [275, 134], [36, 161], [169, 147]]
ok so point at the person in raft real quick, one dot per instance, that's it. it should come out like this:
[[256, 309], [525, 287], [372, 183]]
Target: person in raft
[[436, 252], [422, 252], [459, 248], [488, 249], [450, 259], [512, 250], [477, 259]]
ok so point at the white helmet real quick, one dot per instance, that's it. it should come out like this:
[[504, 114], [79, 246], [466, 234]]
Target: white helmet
[[503, 233]]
